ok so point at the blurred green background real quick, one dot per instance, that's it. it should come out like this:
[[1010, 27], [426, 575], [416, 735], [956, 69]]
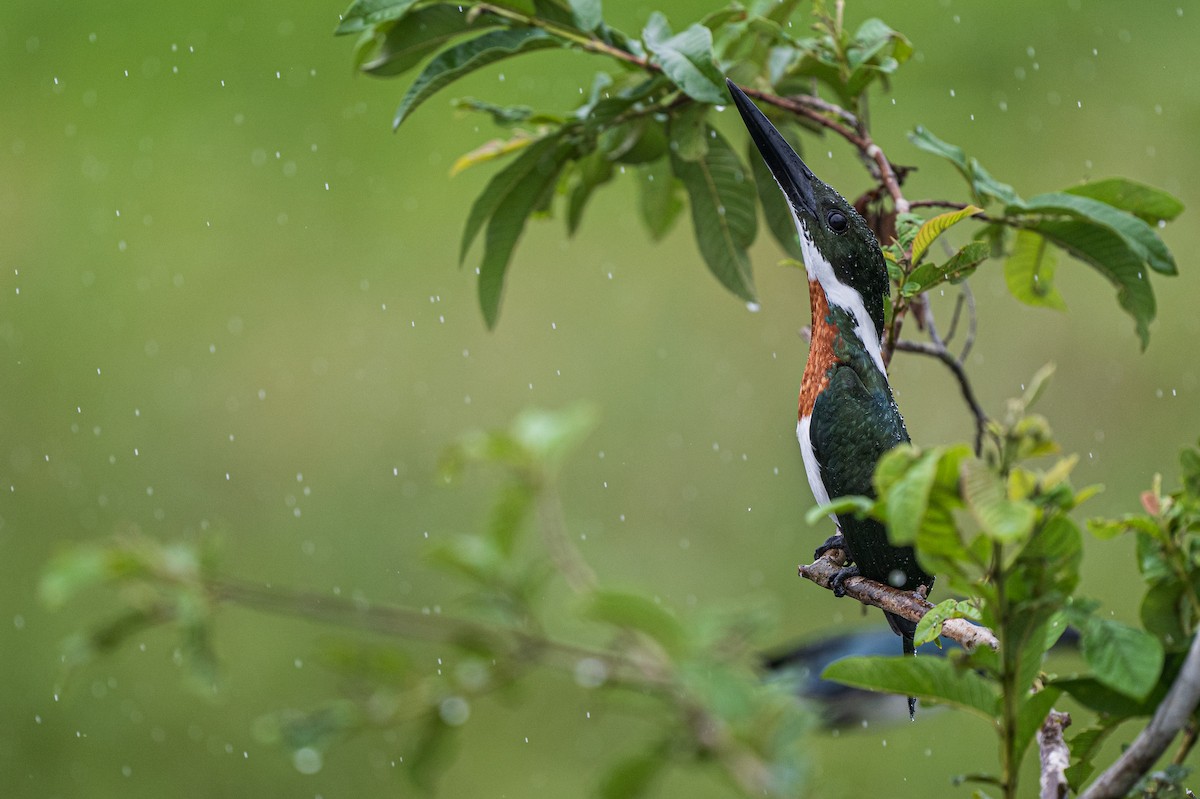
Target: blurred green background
[[229, 306]]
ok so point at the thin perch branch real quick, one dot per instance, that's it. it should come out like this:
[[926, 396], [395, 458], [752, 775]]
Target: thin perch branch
[[908, 604], [1055, 755], [1168, 720]]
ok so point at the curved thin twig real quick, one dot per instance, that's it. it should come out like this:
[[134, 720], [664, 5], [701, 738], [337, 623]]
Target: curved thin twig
[[908, 604], [960, 374]]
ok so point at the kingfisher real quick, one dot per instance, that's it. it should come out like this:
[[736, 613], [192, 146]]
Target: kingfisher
[[847, 414]]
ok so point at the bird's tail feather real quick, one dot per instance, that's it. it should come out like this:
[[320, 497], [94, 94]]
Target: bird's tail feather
[[905, 629]]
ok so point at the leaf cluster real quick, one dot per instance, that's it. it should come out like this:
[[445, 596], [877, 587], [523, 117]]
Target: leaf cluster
[[999, 530], [650, 114]]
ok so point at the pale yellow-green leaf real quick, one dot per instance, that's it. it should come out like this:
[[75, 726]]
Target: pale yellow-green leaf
[[936, 227], [489, 151]]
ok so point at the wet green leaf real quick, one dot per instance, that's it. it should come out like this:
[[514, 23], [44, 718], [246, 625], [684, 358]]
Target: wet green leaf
[[1030, 716], [1149, 204], [593, 171], [1002, 519], [363, 13], [659, 199], [1029, 272], [689, 132], [960, 266], [1137, 236], [462, 59], [686, 58], [587, 13], [724, 206], [927, 678], [420, 33], [505, 204], [859, 506], [908, 498], [930, 625], [1111, 256], [1121, 657]]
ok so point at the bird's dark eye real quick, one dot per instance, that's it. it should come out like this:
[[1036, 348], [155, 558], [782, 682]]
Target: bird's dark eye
[[838, 221]]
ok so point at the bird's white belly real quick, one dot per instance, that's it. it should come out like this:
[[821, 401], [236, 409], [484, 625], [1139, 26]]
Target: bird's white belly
[[811, 467]]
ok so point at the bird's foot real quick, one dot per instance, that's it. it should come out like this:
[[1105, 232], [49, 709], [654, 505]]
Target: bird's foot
[[835, 541], [839, 580]]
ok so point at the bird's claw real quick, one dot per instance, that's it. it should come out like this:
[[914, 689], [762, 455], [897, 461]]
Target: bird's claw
[[835, 541], [839, 580]]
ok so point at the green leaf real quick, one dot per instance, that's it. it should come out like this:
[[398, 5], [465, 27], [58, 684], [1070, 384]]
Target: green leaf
[[1110, 255], [658, 197], [937, 226], [936, 679], [908, 498], [930, 625], [363, 13], [1123, 658], [1136, 234], [981, 182], [636, 612], [588, 14], [987, 186], [489, 151], [1147, 203], [688, 132], [1032, 713], [462, 59], [594, 170], [1096, 696], [723, 203], [420, 33], [776, 212], [505, 203], [1000, 518], [637, 142], [1029, 272], [1163, 612], [1084, 747], [686, 58], [960, 266], [923, 139], [856, 505]]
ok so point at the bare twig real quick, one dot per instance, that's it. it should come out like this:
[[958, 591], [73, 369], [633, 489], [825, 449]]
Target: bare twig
[[1168, 720], [907, 604], [960, 374], [1055, 755]]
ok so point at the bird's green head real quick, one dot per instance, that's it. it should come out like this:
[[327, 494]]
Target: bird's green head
[[840, 251]]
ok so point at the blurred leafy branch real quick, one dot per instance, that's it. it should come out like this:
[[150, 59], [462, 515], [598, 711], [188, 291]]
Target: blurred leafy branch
[[652, 112], [702, 678]]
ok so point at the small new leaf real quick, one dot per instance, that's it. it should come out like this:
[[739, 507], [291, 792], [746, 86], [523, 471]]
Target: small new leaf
[[936, 227], [1029, 272]]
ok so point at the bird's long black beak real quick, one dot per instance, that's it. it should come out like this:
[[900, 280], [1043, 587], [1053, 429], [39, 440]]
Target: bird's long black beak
[[793, 176]]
